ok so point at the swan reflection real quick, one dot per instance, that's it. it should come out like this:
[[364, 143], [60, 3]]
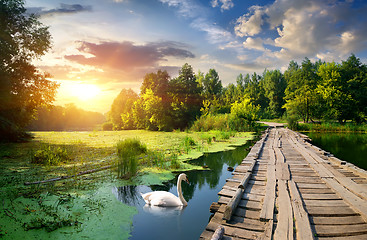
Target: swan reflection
[[164, 211]]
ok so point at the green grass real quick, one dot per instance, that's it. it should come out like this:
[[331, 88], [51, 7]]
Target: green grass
[[332, 127]]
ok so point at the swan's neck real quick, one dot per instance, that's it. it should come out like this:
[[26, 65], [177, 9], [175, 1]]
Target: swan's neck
[[179, 192]]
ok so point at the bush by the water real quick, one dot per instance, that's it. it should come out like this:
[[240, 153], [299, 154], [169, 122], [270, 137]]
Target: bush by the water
[[128, 151], [50, 155]]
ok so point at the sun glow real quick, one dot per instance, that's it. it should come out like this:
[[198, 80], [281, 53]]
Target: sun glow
[[85, 91]]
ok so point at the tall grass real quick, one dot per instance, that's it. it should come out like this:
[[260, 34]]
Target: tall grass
[[128, 151], [50, 155], [332, 127]]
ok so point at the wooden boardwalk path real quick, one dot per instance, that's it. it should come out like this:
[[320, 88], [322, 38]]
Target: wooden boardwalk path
[[286, 188]]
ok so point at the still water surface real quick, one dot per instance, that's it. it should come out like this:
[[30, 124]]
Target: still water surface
[[350, 147], [189, 222]]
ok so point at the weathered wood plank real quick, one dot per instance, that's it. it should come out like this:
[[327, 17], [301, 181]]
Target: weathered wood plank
[[232, 204], [233, 231], [355, 202], [340, 230], [240, 222], [267, 211], [284, 228], [336, 220], [330, 211], [325, 203], [320, 196], [244, 203], [302, 223]]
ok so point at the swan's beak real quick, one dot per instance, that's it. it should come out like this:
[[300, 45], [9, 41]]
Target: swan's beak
[[187, 180]]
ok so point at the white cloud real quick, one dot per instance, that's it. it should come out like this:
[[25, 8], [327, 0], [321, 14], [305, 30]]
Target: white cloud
[[249, 24], [226, 4], [254, 43], [306, 28]]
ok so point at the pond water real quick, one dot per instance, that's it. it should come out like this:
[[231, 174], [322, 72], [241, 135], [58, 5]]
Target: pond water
[[350, 147], [182, 223]]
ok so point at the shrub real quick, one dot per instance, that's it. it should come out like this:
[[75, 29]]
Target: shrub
[[188, 143], [292, 122], [107, 126], [128, 151], [50, 155]]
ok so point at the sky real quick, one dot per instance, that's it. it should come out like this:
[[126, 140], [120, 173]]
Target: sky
[[102, 46]]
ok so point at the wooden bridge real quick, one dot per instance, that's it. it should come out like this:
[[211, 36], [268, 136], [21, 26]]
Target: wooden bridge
[[286, 188]]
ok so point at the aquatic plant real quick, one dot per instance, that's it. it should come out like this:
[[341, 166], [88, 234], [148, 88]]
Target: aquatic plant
[[128, 151]]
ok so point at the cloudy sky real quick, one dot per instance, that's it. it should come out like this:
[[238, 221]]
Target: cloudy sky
[[102, 46]]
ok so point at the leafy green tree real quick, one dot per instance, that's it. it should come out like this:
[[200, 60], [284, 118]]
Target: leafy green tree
[[355, 74], [121, 110], [301, 96], [212, 85], [23, 88], [186, 97], [274, 86]]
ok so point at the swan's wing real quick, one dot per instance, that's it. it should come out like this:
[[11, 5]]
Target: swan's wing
[[165, 199]]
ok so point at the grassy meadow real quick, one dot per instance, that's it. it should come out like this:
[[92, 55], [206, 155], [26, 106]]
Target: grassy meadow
[[81, 206]]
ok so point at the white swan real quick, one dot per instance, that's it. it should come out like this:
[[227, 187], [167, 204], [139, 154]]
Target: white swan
[[167, 199]]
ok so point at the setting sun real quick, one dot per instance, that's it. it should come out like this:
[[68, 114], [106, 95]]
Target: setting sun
[[85, 91]]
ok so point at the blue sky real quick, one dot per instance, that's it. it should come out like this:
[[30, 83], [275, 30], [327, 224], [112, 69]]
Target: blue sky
[[107, 45]]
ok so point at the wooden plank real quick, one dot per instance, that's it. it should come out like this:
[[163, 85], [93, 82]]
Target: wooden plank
[[320, 196], [355, 237], [336, 220], [284, 228], [244, 203], [355, 202], [233, 231], [271, 156], [242, 212], [330, 211], [325, 203], [232, 204], [268, 233], [282, 171], [267, 211], [240, 222], [357, 189], [340, 230], [311, 185], [303, 228], [279, 155]]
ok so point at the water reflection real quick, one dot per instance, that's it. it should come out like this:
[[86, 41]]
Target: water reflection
[[163, 211], [154, 222], [351, 147]]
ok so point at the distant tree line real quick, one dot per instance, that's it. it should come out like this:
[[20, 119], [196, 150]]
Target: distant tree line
[[58, 118], [308, 91]]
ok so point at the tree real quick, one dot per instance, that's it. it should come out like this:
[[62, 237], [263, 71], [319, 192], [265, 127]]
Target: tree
[[301, 96], [274, 86], [212, 86], [23, 88], [121, 110], [185, 93]]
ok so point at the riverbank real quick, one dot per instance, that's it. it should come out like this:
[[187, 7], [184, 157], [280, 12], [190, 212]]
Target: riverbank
[[332, 127], [85, 206]]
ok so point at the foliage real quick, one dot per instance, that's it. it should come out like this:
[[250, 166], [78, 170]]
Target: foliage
[[121, 110], [128, 151], [107, 126], [211, 122], [23, 88], [50, 155], [243, 115]]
